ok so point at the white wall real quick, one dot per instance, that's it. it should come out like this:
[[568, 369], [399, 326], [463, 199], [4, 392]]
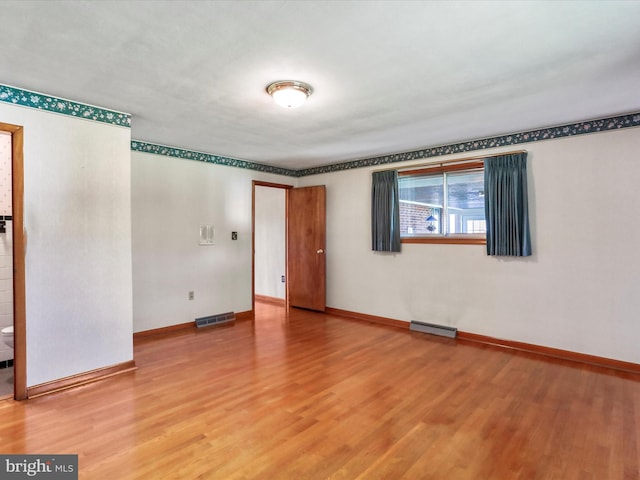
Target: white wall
[[270, 241], [580, 291], [78, 257], [171, 198]]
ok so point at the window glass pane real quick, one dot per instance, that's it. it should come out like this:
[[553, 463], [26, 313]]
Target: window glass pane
[[465, 201], [453, 227], [476, 226], [421, 202], [442, 204]]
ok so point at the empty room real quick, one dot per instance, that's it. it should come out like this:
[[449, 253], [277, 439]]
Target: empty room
[[319, 239]]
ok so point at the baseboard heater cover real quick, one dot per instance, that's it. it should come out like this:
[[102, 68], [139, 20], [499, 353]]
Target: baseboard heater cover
[[219, 319], [433, 329]]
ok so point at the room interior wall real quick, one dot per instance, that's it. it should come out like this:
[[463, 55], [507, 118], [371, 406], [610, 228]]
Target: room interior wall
[[103, 222], [77, 221], [270, 241], [171, 198], [579, 291]]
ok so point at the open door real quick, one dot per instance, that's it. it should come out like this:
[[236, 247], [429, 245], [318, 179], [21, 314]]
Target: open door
[[19, 246], [306, 261]]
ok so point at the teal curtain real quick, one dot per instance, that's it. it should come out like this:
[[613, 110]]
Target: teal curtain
[[385, 212], [506, 206]]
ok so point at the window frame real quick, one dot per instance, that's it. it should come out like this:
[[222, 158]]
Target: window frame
[[455, 238]]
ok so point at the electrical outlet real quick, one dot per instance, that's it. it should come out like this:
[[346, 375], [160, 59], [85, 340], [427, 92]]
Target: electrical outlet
[[282, 278], [191, 295], [234, 235]]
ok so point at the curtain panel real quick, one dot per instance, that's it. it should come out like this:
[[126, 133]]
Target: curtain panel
[[506, 205], [385, 212]]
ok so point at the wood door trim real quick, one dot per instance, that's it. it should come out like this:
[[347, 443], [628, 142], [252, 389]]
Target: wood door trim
[[464, 337], [552, 352], [254, 184], [81, 379], [270, 300], [392, 322], [163, 330], [19, 251]]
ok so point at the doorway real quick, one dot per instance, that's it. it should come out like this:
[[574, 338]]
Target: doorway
[[269, 216], [12, 245], [304, 248]]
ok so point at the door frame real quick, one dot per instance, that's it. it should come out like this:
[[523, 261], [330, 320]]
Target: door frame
[[254, 184], [19, 250]]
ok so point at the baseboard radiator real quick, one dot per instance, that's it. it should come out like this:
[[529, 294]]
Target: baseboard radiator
[[433, 329], [219, 319]]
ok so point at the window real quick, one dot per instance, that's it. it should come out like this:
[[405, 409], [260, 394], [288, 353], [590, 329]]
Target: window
[[443, 204]]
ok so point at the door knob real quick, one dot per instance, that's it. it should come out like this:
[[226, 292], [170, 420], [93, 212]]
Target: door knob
[[320, 250]]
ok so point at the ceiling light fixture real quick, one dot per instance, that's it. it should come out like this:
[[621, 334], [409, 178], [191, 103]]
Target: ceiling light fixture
[[288, 93]]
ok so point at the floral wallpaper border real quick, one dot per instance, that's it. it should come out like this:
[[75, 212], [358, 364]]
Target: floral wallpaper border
[[139, 146], [581, 128], [25, 98]]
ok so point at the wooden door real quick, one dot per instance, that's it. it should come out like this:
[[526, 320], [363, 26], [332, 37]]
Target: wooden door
[[306, 247]]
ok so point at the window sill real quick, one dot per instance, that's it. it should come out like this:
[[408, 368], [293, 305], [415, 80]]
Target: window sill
[[449, 240]]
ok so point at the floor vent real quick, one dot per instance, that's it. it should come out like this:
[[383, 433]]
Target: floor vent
[[219, 319], [433, 329]]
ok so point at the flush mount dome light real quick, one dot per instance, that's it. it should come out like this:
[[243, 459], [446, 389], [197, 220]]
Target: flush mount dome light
[[288, 93]]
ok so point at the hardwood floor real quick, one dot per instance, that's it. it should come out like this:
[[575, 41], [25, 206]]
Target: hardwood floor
[[312, 396]]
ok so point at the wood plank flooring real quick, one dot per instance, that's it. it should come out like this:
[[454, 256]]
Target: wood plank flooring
[[311, 396]]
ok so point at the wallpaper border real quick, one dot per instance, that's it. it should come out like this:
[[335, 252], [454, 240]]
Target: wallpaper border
[[147, 147], [26, 98], [549, 133], [49, 103], [580, 128]]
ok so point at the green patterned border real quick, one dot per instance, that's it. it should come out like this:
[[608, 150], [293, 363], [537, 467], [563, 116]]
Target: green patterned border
[[25, 98], [581, 128], [138, 146]]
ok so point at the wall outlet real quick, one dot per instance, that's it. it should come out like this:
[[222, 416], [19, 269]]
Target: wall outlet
[[282, 278], [191, 295], [234, 235]]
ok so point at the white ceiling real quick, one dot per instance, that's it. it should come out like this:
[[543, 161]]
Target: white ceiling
[[388, 76]]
